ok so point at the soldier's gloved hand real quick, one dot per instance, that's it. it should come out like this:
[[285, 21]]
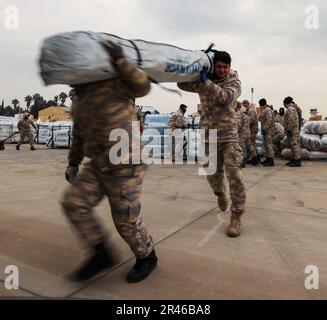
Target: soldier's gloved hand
[[204, 74], [71, 173], [115, 51], [263, 132]]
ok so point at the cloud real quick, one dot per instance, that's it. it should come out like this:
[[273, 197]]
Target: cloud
[[272, 50]]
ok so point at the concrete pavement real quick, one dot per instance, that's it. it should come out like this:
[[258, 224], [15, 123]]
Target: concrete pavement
[[284, 230]]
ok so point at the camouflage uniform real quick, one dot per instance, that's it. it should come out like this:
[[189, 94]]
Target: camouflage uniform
[[98, 109], [280, 119], [177, 120], [243, 127], [253, 122], [292, 130], [299, 113], [218, 99], [267, 122], [138, 116], [278, 133], [24, 128]]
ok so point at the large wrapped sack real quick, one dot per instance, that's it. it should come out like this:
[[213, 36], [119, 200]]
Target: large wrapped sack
[[318, 155], [315, 127], [324, 142], [312, 142], [287, 153], [79, 57]]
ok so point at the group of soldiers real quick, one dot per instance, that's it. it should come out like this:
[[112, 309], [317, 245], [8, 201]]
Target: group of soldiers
[[101, 107], [274, 127]]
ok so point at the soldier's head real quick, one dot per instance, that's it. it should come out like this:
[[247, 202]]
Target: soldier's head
[[287, 101], [281, 111], [246, 104], [26, 116], [262, 102], [222, 63], [183, 107], [238, 106], [275, 113]]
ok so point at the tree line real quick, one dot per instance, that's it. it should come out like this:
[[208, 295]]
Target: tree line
[[34, 104]]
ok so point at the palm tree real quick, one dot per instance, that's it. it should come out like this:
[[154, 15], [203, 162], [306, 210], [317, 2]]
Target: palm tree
[[63, 96], [71, 94], [28, 99], [15, 104], [55, 99]]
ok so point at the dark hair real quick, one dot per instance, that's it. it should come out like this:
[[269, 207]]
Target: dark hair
[[183, 106], [222, 56], [288, 100], [262, 102]]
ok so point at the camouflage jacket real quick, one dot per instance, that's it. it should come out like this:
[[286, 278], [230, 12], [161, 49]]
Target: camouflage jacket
[[177, 120], [277, 129], [291, 119], [218, 99], [280, 119], [101, 107], [267, 119], [25, 125], [299, 113], [243, 125], [138, 116], [253, 119]]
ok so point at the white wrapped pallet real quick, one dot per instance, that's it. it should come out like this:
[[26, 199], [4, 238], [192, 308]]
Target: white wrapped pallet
[[315, 127], [312, 142], [79, 57], [318, 155], [324, 142]]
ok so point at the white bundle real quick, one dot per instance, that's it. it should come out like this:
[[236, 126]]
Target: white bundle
[[315, 127], [324, 142], [79, 57], [287, 153], [318, 155], [312, 142]]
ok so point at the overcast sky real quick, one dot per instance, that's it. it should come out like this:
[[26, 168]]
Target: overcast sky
[[271, 48]]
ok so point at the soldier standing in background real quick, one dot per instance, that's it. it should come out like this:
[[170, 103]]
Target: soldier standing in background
[[24, 128], [98, 109], [280, 116], [267, 122], [278, 134], [243, 127], [253, 122], [177, 121], [292, 125], [218, 95]]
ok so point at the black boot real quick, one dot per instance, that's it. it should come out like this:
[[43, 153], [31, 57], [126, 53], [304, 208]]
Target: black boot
[[255, 161], [100, 261], [243, 164], [263, 162], [296, 163], [142, 268], [269, 162], [289, 162], [17, 147], [32, 148]]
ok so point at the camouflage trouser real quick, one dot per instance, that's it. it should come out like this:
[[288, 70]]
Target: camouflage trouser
[[27, 134], [294, 143], [229, 155], [251, 144], [269, 151], [123, 188], [277, 139]]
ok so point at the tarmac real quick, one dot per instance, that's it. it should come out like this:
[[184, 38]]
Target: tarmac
[[284, 231]]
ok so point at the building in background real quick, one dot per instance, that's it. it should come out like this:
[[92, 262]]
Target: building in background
[[55, 114]]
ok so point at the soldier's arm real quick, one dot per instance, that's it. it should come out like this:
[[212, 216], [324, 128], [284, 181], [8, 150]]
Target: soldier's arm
[[75, 155], [134, 78], [19, 125], [33, 124], [195, 86], [226, 95]]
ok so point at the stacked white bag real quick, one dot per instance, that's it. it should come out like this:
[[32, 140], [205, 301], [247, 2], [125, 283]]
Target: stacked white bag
[[314, 138]]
